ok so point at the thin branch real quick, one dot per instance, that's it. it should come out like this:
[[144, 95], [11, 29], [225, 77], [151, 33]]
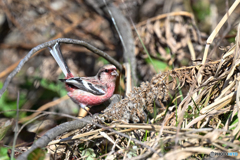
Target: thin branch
[[50, 43], [68, 126], [54, 132]]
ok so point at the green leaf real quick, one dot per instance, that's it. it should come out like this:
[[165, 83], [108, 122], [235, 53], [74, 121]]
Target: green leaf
[[167, 49], [7, 104], [145, 136], [55, 87], [101, 59], [88, 154], [37, 154], [201, 9], [158, 65], [3, 153]]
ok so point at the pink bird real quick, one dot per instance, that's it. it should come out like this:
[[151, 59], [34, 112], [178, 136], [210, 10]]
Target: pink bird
[[87, 91]]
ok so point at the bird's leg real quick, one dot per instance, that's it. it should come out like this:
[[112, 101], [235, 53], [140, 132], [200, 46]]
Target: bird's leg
[[84, 107], [88, 112]]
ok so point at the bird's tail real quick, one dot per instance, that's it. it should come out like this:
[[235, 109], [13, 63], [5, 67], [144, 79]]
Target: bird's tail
[[57, 55]]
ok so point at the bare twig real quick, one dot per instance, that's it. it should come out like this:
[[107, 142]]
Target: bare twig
[[50, 43]]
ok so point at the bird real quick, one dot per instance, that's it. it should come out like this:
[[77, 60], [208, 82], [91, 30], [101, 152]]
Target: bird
[[86, 91]]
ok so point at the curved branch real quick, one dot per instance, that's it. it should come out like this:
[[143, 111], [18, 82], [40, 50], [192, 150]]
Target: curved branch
[[50, 43], [76, 124]]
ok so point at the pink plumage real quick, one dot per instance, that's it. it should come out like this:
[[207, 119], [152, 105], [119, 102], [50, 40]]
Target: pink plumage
[[87, 91]]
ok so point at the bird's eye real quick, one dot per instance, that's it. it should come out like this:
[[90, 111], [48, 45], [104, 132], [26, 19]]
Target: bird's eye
[[106, 70]]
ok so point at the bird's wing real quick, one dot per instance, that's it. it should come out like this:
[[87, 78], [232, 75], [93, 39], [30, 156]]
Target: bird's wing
[[86, 84]]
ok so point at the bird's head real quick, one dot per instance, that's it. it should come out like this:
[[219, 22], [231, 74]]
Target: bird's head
[[107, 73]]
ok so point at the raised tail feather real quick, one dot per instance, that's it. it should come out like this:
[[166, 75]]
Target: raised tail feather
[[57, 55]]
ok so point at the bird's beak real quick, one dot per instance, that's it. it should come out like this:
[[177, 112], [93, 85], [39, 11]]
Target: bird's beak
[[114, 73]]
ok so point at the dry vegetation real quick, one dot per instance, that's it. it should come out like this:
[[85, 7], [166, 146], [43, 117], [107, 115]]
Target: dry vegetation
[[186, 105]]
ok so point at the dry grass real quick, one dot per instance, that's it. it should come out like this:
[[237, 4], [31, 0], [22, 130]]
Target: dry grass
[[205, 121]]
